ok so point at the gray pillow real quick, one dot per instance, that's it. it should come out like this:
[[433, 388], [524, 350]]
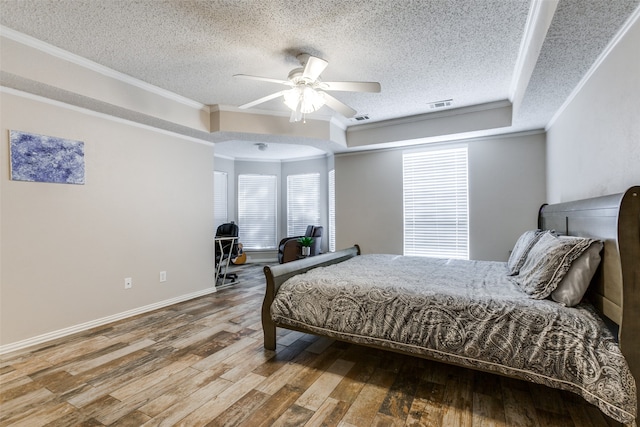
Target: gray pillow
[[548, 262], [573, 286], [520, 250]]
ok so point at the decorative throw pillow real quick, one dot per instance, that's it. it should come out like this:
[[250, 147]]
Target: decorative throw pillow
[[573, 286], [522, 247], [548, 262]]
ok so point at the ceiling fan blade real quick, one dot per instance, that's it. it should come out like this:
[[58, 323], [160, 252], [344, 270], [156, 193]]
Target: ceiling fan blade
[[352, 86], [339, 106], [264, 79], [261, 100], [314, 67]]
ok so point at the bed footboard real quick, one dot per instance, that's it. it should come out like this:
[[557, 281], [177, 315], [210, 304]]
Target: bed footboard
[[276, 275]]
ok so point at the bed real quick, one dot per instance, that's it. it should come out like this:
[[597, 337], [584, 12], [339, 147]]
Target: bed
[[486, 319]]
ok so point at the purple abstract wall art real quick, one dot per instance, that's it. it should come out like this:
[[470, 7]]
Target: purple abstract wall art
[[40, 158]]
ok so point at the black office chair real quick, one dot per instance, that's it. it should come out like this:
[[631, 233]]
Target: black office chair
[[226, 250]]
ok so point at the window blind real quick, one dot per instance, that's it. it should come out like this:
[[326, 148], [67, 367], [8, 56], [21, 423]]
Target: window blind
[[303, 202], [220, 212], [332, 210], [257, 211], [435, 191]]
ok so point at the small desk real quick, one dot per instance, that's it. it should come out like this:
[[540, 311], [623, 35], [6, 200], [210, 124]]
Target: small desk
[[219, 241]]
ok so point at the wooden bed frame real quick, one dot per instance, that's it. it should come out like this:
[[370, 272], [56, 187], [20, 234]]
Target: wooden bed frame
[[614, 291]]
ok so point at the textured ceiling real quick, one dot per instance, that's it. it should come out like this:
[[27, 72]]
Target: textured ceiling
[[420, 51], [579, 32]]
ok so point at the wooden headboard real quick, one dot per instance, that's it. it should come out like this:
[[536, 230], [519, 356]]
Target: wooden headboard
[[615, 289]]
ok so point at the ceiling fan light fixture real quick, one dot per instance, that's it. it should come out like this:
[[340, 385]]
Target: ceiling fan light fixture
[[312, 100], [292, 98], [304, 99], [308, 93]]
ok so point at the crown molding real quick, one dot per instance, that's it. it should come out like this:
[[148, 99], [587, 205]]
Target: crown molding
[[222, 156], [443, 141], [594, 67], [90, 112], [429, 116], [232, 109], [541, 14], [94, 66]]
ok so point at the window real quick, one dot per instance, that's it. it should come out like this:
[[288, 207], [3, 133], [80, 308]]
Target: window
[[303, 203], [332, 210], [220, 215], [257, 211], [435, 194]]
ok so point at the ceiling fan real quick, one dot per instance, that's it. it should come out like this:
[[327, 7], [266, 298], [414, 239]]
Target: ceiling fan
[[307, 92]]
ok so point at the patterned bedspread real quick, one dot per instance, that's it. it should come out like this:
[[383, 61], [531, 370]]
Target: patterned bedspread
[[464, 312]]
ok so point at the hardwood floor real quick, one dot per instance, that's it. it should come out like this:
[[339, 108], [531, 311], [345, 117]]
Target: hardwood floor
[[201, 362]]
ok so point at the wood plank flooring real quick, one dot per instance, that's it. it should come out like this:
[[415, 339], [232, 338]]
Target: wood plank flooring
[[202, 363]]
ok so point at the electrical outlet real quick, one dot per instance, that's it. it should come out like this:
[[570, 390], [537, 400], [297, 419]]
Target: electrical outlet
[[163, 276], [128, 282]]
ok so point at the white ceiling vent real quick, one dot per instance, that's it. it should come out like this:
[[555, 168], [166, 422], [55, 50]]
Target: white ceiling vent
[[361, 117], [441, 104]]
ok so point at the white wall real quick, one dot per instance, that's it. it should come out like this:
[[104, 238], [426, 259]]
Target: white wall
[[593, 146], [66, 249], [506, 188]]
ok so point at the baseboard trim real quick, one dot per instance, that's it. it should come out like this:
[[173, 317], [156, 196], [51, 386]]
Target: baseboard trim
[[262, 261], [50, 336]]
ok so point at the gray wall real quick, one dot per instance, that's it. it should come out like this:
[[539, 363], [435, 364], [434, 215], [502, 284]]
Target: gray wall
[[369, 201], [506, 188], [146, 207]]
